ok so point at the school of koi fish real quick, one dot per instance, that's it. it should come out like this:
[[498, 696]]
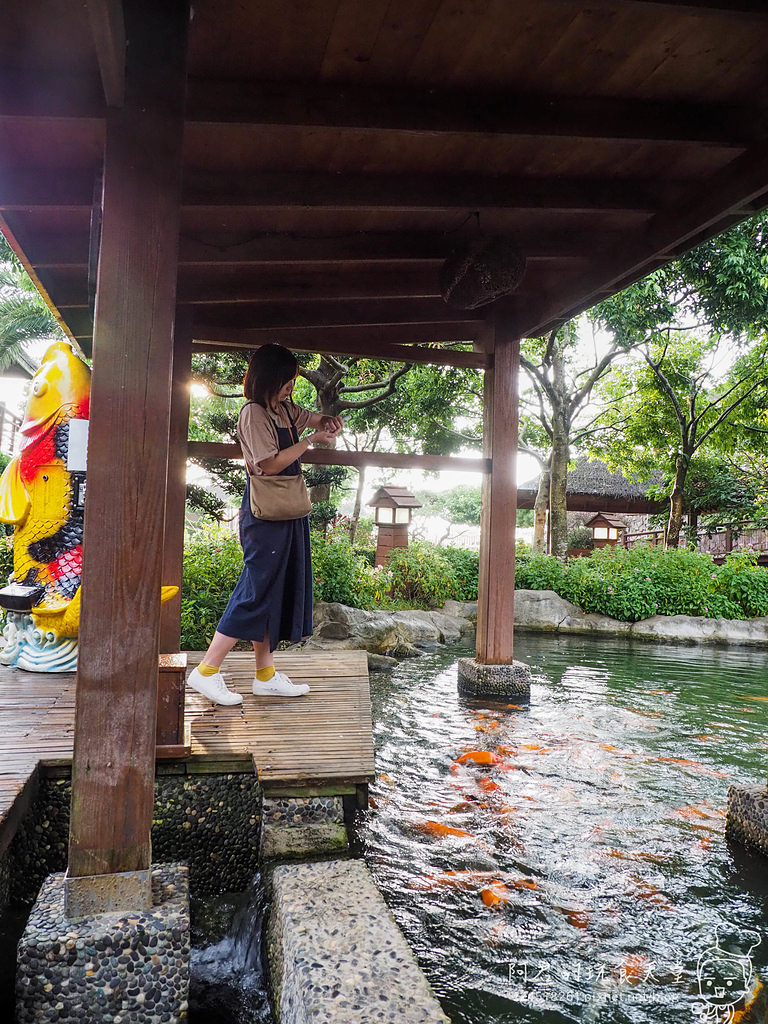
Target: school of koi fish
[[565, 860]]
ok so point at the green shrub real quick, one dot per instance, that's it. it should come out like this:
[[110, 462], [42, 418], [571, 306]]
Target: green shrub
[[465, 564], [421, 573], [581, 537], [634, 584], [341, 574], [212, 566], [744, 582], [539, 572]]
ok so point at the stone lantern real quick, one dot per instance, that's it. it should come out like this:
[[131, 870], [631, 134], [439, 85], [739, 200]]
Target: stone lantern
[[394, 507]]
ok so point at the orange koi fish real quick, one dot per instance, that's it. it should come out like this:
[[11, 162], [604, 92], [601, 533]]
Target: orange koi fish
[[496, 895], [478, 757], [436, 828], [489, 786], [450, 880]]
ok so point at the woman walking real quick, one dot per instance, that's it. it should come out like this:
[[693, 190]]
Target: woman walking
[[273, 597]]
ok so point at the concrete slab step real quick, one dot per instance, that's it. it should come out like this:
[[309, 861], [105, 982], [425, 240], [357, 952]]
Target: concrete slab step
[[336, 953]]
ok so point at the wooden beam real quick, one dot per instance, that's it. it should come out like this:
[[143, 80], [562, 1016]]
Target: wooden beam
[[670, 232], [415, 111], [371, 340], [108, 28], [400, 353], [382, 248], [114, 753], [359, 312], [339, 457], [255, 105], [496, 586], [176, 492], [34, 187], [427, 192], [753, 10]]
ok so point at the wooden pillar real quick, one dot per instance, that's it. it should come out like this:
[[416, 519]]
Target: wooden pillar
[[113, 766], [176, 494], [496, 597]]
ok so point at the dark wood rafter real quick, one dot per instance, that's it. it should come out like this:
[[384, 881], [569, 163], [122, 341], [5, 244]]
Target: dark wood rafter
[[258, 105], [365, 348], [113, 766], [388, 341], [386, 248], [108, 27], [726, 10], [21, 189], [430, 111]]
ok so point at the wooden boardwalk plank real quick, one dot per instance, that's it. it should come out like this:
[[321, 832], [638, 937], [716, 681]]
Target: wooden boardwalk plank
[[324, 736]]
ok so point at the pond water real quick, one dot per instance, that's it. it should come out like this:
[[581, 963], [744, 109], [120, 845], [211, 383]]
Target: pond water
[[597, 830]]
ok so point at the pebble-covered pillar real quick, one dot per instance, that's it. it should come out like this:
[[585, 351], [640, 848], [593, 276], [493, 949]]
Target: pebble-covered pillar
[[128, 967], [747, 817]]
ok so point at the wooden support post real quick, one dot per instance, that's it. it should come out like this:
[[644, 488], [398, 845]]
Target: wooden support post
[[114, 755], [176, 494], [496, 597]]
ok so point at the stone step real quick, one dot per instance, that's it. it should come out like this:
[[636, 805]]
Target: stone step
[[336, 953]]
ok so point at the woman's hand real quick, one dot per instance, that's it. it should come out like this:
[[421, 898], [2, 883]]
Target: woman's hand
[[331, 424], [322, 436]]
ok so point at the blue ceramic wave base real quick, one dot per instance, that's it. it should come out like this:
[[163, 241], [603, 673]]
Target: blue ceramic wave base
[[36, 650]]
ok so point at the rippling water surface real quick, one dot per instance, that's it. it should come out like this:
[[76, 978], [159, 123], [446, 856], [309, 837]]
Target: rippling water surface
[[597, 829]]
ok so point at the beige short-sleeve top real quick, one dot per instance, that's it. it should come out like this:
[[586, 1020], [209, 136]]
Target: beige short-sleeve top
[[256, 428]]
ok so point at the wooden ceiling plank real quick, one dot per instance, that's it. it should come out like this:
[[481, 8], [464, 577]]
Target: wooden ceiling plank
[[420, 111], [108, 27]]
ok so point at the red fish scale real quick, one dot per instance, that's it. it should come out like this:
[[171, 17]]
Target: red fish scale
[[40, 452], [70, 564]]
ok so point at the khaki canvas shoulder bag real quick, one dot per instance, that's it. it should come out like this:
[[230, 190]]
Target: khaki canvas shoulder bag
[[279, 497]]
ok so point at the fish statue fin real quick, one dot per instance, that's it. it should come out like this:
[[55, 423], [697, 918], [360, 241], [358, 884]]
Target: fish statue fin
[[166, 593], [14, 497]]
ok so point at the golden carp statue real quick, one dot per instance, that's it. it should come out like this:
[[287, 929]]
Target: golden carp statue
[[42, 494]]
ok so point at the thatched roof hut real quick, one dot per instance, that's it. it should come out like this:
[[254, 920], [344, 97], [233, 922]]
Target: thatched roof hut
[[593, 487]]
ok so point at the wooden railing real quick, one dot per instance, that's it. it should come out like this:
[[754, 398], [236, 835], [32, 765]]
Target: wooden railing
[[718, 543]]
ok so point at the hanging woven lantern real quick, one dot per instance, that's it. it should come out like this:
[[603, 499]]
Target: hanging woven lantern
[[481, 271]]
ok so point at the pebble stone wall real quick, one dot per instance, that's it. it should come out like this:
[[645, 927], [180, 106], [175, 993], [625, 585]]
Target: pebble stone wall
[[299, 826], [747, 817], [495, 682], [121, 968], [210, 822]]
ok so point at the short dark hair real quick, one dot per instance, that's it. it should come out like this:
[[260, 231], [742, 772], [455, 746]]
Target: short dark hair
[[269, 368]]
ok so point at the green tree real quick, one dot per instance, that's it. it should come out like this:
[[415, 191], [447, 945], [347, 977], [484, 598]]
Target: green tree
[[672, 403], [562, 381], [24, 316], [414, 408]]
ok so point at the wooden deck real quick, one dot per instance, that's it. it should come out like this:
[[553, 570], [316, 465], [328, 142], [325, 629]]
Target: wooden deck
[[326, 735], [322, 739]]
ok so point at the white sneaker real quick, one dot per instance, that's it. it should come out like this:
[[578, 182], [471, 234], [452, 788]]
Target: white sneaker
[[279, 686], [213, 687]]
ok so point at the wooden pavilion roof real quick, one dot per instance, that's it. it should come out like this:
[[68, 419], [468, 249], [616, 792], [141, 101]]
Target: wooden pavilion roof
[[336, 152]]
